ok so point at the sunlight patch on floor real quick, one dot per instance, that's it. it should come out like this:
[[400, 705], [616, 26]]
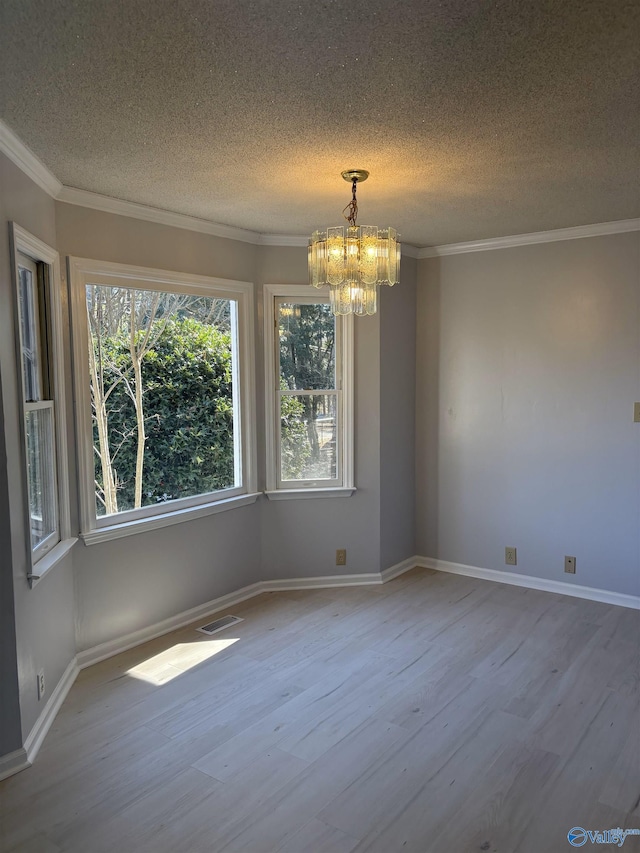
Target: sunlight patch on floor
[[177, 660]]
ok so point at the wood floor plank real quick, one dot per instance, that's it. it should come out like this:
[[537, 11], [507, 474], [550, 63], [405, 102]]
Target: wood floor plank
[[312, 737], [36, 844], [511, 789], [287, 811], [238, 752], [231, 703], [318, 837], [151, 820], [572, 794], [621, 788], [551, 834], [85, 785], [394, 802], [237, 800]]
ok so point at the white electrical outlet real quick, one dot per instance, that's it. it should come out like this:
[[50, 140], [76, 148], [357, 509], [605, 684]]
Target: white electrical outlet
[[510, 557], [570, 565], [41, 687]]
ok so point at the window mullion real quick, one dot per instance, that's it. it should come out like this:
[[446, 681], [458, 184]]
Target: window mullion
[[306, 392]]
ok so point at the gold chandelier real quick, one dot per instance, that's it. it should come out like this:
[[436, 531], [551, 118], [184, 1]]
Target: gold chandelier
[[353, 260]]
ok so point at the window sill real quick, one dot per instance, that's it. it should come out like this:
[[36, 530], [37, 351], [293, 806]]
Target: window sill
[[143, 525], [295, 494], [49, 561]]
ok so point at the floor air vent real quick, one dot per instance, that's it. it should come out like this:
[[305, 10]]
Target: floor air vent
[[219, 624]]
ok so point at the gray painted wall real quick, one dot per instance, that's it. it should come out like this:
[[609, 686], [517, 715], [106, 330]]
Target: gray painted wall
[[108, 237], [10, 727], [44, 620], [528, 367], [397, 417], [300, 537], [127, 584], [131, 583]]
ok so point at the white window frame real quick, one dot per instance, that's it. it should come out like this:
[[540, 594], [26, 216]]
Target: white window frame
[[343, 485], [50, 552], [94, 528]]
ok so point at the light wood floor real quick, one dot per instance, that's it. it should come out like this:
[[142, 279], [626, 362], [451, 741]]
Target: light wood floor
[[435, 714]]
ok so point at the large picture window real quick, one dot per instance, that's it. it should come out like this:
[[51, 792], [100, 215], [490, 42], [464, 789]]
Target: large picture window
[[309, 395], [40, 354], [165, 396]]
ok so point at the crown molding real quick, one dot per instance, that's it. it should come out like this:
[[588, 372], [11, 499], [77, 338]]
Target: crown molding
[[15, 149], [108, 204], [300, 240], [283, 240], [411, 251], [599, 229]]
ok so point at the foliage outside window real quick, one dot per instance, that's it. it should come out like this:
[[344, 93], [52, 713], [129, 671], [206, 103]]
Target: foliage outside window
[[164, 394], [308, 421]]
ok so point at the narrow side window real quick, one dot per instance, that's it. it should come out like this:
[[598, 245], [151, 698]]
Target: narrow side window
[[39, 406], [40, 364], [309, 389]]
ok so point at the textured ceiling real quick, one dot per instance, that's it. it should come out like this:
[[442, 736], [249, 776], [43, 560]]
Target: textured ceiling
[[476, 118]]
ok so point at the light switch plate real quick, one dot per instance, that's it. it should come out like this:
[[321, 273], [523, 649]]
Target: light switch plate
[[636, 413]]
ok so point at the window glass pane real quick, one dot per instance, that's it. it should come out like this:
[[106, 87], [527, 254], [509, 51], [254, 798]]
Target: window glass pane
[[307, 346], [29, 330], [308, 437], [41, 474], [162, 396]]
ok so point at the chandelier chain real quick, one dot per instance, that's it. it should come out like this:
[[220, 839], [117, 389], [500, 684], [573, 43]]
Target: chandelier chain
[[352, 207]]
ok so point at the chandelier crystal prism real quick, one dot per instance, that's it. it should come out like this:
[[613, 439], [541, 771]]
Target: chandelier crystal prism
[[353, 260]]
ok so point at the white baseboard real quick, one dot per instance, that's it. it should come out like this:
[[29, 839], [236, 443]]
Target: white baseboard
[[559, 587], [19, 760], [42, 725], [121, 644], [13, 762], [322, 582], [392, 572]]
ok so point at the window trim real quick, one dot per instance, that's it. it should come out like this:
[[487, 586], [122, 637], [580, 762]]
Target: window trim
[[300, 294], [25, 243], [84, 271]]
